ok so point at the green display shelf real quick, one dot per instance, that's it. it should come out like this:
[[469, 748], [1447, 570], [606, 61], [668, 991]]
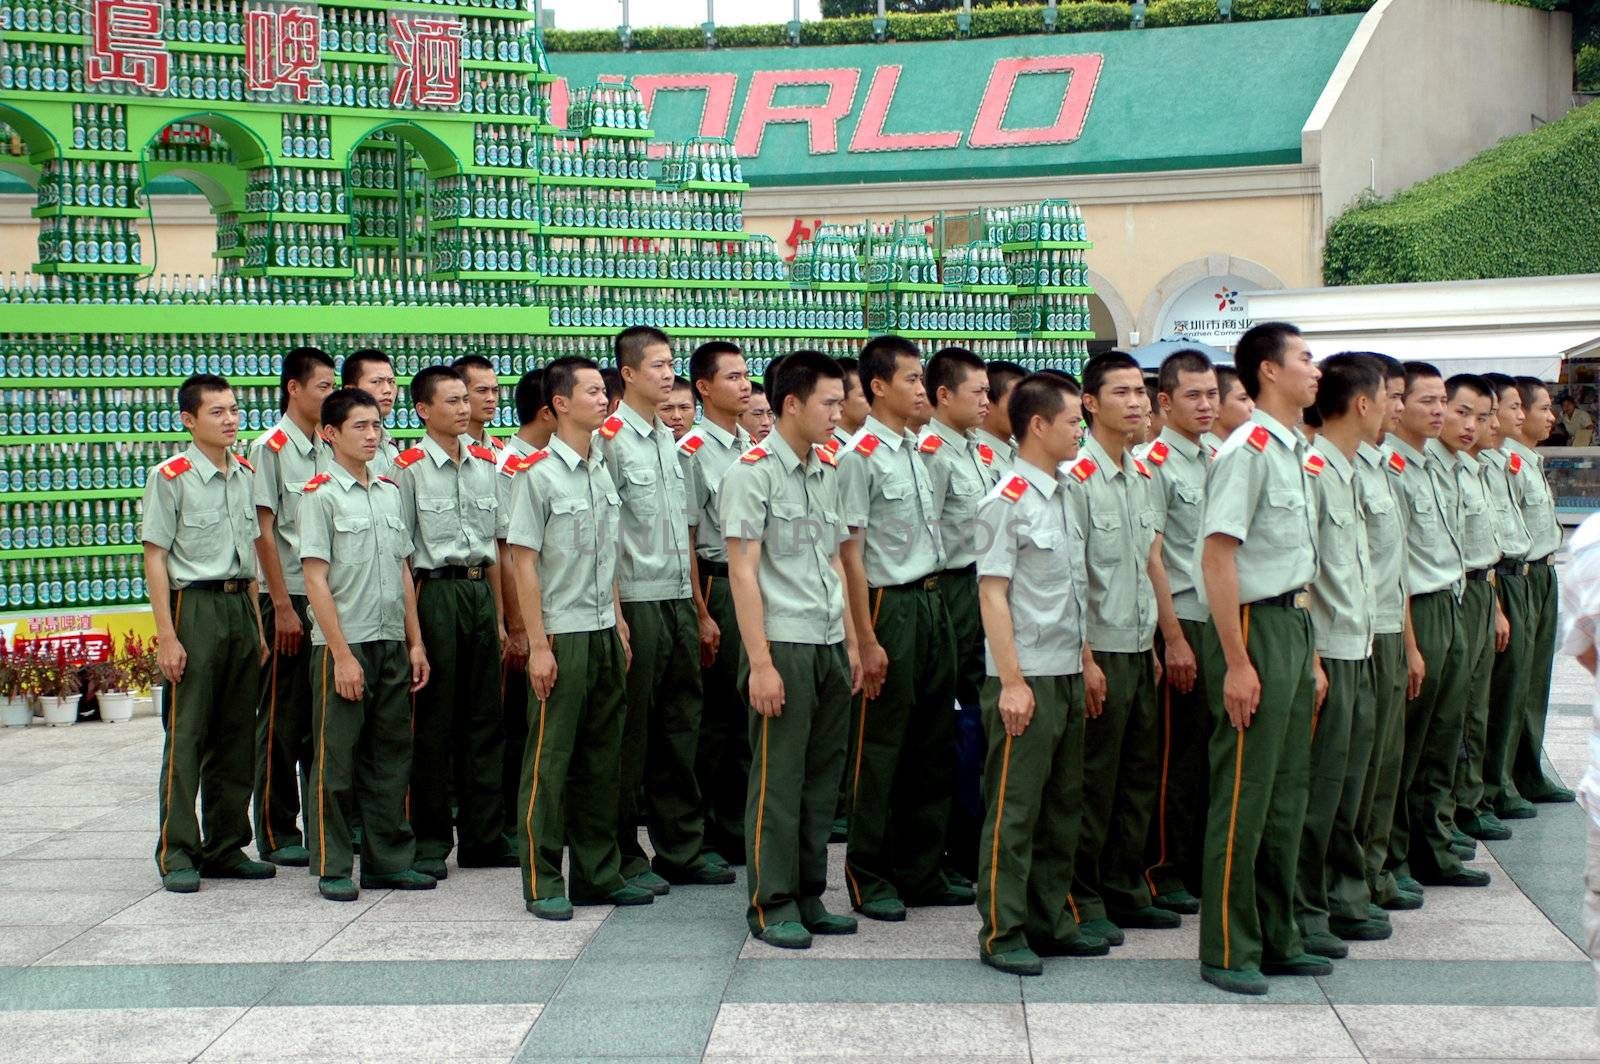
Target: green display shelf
[[124, 269], [376, 241], [982, 289], [437, 9], [836, 286], [43, 37], [485, 275], [255, 107], [92, 155], [658, 282], [375, 193], [1046, 335], [296, 271], [649, 234], [71, 495], [824, 334], [596, 132], [572, 181], [1059, 290], [90, 437], [122, 382], [713, 186], [1047, 245], [903, 286], [310, 218], [214, 47], [491, 171], [63, 211], [30, 553], [158, 318], [309, 164], [228, 253], [480, 223]]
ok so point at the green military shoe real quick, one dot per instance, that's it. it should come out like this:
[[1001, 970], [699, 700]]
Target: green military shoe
[[551, 908], [956, 879], [289, 857], [702, 873], [786, 935], [1304, 964], [1325, 944], [831, 924], [889, 910], [1361, 930], [713, 857], [1083, 945], [628, 895], [1520, 809], [1178, 901], [1103, 928], [1486, 828], [337, 888], [431, 866], [405, 879], [1402, 902], [651, 882], [246, 869], [1409, 885], [182, 880], [1377, 912], [1149, 917], [1245, 981], [1014, 962], [1556, 795], [1461, 877]]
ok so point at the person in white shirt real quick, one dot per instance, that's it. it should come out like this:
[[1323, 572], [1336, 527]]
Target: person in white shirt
[[1580, 616]]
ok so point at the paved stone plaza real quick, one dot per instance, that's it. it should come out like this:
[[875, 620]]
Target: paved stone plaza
[[98, 964]]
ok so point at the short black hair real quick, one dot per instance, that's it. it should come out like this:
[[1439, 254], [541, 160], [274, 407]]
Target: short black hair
[[1416, 371], [355, 365], [1002, 375], [1187, 360], [681, 384], [1106, 362], [1529, 388], [757, 388], [466, 362], [799, 376], [629, 346], [703, 363], [192, 392], [561, 375], [770, 374], [852, 372], [1343, 378], [530, 396], [1227, 377], [1389, 366], [1501, 382], [1039, 394], [298, 367], [428, 379], [1311, 416], [1472, 382], [949, 368], [880, 356], [336, 408], [1261, 343], [1062, 375], [613, 379]]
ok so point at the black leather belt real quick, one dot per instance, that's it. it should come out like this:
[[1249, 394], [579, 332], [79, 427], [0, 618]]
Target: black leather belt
[[711, 568], [1479, 574], [970, 569], [452, 572], [927, 583], [1298, 599], [1510, 568], [227, 587], [1548, 559]]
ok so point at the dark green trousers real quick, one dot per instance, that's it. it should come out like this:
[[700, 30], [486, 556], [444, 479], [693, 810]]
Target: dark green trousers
[[569, 772], [210, 734], [1508, 686], [283, 737], [1477, 628], [514, 725], [459, 724], [1332, 877], [1420, 842], [722, 760], [1381, 793], [363, 753], [1259, 781], [1172, 853], [797, 758], [660, 738], [959, 589], [1033, 794], [1527, 759], [1121, 764], [901, 778]]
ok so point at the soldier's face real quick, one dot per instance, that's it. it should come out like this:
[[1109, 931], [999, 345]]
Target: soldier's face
[[1234, 409], [856, 405], [449, 408], [677, 413], [1373, 411], [966, 405], [1510, 414], [998, 419], [1394, 390], [1063, 432], [1191, 407], [357, 439], [757, 418], [1465, 415], [1424, 408], [904, 392], [305, 397], [216, 423], [1541, 419], [821, 411], [586, 406], [1299, 373], [378, 380], [1119, 404], [728, 390], [483, 395], [653, 377], [1489, 436]]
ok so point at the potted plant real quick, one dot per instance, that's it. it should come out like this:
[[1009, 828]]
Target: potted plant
[[55, 681], [141, 669], [112, 692], [15, 712]]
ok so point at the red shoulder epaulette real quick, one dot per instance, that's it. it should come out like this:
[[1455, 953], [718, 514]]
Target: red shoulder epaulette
[[497, 443], [478, 450], [832, 446], [176, 467], [932, 442], [985, 454], [1016, 486], [691, 443], [276, 441], [243, 462], [387, 481], [1157, 454], [1258, 438], [1397, 464], [1314, 464], [867, 444], [1514, 463], [827, 456], [408, 456], [1142, 468], [317, 481], [611, 426], [517, 463], [1084, 469], [753, 455]]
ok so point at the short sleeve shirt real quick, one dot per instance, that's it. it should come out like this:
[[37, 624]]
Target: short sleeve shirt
[[203, 519], [451, 508], [888, 492], [708, 451], [1479, 546], [1341, 595], [1538, 503], [1179, 470], [285, 461], [382, 464], [792, 509], [566, 507], [962, 470], [1580, 631], [1503, 480], [358, 530], [1260, 494], [1386, 540], [508, 463], [1426, 489], [1115, 506], [1033, 541], [643, 462], [1005, 455]]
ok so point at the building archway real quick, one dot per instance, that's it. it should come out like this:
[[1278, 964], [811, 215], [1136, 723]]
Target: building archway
[[1196, 270], [1112, 318]]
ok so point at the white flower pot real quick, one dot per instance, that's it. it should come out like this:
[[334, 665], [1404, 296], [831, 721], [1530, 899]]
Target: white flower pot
[[60, 712], [15, 713], [116, 706], [158, 701]]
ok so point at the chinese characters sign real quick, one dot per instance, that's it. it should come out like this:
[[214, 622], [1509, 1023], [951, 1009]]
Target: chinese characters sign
[[427, 66], [283, 50], [126, 45]]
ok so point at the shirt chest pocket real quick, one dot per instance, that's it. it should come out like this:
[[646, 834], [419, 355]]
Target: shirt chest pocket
[[1042, 558], [1344, 530], [1424, 515], [289, 504], [202, 533], [1189, 495], [898, 498], [1383, 526], [966, 486], [571, 523], [640, 494], [394, 536], [352, 538], [438, 519], [481, 513], [1283, 517], [1106, 545], [792, 531]]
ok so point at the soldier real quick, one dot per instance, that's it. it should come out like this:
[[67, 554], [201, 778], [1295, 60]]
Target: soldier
[[1258, 553], [757, 417], [1186, 393], [781, 511], [900, 775], [657, 572], [856, 405], [285, 458], [1041, 683], [1420, 842], [199, 527], [963, 471], [995, 432], [372, 371], [366, 658], [483, 399], [677, 410], [563, 534], [1234, 407], [1331, 886], [448, 497], [722, 760]]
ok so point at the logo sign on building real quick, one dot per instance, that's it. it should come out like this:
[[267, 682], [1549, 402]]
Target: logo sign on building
[[1212, 310], [282, 51]]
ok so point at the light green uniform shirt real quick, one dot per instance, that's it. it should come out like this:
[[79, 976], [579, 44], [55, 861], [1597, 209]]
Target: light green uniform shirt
[[285, 462], [1117, 509], [888, 493], [708, 452], [1386, 537], [1341, 595], [382, 464], [1426, 490], [203, 519], [1261, 495], [793, 510], [1005, 453], [359, 531], [1479, 547], [1505, 490], [1538, 504], [1035, 543], [643, 461], [567, 508], [962, 470], [516, 448], [451, 509], [1179, 468]]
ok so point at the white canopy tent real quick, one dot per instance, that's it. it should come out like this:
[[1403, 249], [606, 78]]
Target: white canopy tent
[[1519, 325]]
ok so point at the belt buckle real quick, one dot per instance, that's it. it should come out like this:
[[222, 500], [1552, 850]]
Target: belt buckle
[[1302, 599], [1526, 569], [474, 572], [231, 587], [930, 583]]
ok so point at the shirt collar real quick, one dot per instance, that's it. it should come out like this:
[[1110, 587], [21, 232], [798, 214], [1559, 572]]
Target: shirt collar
[[201, 463], [1528, 453], [519, 446], [1493, 456], [1177, 442], [573, 460], [1102, 460], [290, 429], [995, 443], [635, 421], [1335, 458], [1286, 434], [1469, 462], [954, 437], [1038, 478], [779, 448], [737, 438], [1438, 452], [343, 477], [1405, 450], [886, 435], [433, 450], [1369, 454]]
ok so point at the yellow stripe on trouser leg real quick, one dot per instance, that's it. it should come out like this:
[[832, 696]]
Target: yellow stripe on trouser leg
[[1233, 812], [172, 735], [761, 809], [994, 854]]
